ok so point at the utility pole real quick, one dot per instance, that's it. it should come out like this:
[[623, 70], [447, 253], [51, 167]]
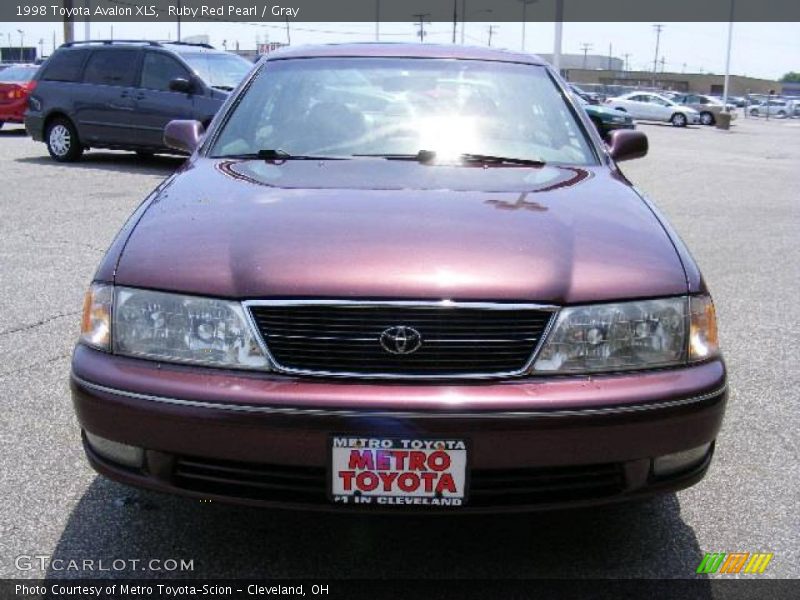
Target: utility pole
[[658, 28], [41, 47], [663, 61], [626, 66], [54, 41], [21, 44], [492, 29], [288, 32], [178, 19], [585, 48], [525, 17], [421, 24], [69, 22], [610, 51]]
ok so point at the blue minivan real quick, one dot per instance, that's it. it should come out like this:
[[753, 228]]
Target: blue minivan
[[120, 94]]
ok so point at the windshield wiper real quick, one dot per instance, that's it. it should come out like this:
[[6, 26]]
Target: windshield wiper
[[427, 156], [224, 88], [278, 155], [421, 156], [488, 158]]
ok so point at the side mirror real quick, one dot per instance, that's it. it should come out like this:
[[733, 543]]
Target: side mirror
[[181, 84], [624, 144], [183, 135]]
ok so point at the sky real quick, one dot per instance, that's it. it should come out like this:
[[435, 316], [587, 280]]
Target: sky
[[766, 50]]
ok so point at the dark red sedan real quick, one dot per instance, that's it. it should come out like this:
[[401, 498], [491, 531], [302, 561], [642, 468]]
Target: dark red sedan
[[400, 277], [15, 86]]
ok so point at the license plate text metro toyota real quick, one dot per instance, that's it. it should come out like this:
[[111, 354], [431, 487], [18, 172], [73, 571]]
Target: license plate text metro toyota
[[398, 471]]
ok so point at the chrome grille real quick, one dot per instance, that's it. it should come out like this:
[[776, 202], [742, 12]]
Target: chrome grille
[[344, 338]]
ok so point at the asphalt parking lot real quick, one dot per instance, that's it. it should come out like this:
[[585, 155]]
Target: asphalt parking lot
[[733, 196]]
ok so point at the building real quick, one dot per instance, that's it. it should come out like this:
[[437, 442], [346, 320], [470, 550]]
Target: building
[[701, 83], [18, 54], [593, 61]]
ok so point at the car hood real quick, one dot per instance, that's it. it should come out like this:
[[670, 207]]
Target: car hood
[[390, 229], [610, 113]]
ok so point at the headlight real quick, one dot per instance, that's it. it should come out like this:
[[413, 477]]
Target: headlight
[[187, 329], [617, 337], [96, 320]]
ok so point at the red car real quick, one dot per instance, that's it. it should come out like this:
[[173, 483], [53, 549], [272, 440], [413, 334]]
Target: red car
[[15, 86], [400, 277]]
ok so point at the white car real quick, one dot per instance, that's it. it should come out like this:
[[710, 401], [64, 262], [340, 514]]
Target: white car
[[647, 106], [777, 108]]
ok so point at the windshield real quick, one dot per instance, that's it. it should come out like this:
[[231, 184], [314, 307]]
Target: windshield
[[345, 107], [223, 71], [18, 73]]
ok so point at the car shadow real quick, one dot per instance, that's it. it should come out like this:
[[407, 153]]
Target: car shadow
[[7, 132], [123, 162], [645, 539]]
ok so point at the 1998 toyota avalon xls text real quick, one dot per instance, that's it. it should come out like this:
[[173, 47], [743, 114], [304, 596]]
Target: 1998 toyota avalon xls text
[[400, 276]]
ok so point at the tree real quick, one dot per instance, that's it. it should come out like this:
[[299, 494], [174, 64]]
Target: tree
[[791, 77]]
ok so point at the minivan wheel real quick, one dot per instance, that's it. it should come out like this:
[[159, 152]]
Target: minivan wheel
[[678, 120], [62, 141], [706, 118]]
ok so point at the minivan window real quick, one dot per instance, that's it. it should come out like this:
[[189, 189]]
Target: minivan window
[[222, 71], [64, 65], [346, 107], [111, 67], [159, 69]]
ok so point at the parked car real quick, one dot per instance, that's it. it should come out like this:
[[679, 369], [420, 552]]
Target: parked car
[[121, 94], [588, 97], [708, 107], [647, 106], [15, 86], [411, 302], [775, 108], [606, 119], [737, 101]]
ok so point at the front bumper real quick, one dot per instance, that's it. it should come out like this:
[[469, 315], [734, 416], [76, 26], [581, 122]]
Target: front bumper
[[261, 440]]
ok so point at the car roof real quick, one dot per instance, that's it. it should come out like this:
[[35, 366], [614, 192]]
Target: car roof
[[172, 46], [405, 50]]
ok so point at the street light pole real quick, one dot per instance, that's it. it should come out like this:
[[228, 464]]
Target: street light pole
[[557, 39], [21, 44], [728, 62], [377, 20], [87, 27]]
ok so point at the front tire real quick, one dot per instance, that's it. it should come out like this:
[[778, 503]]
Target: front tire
[[62, 141], [678, 120], [706, 118]]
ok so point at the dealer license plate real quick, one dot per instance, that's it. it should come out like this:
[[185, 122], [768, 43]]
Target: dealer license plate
[[398, 471]]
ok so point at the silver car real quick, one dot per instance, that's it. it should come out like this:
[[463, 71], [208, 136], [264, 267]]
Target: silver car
[[647, 106]]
